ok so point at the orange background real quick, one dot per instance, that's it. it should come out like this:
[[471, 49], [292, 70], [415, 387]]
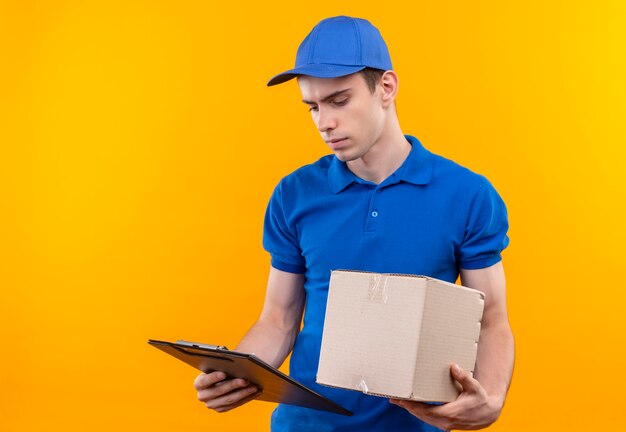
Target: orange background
[[139, 146]]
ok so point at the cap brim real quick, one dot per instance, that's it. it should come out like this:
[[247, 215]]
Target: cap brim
[[315, 70]]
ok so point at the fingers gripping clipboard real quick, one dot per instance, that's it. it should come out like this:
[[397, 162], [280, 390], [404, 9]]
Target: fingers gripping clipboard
[[275, 386]]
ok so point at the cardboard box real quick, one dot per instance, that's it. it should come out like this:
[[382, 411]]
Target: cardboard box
[[396, 335]]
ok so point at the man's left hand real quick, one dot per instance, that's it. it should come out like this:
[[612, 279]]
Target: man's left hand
[[473, 409]]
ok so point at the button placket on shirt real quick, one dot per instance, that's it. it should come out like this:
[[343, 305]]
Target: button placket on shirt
[[373, 212]]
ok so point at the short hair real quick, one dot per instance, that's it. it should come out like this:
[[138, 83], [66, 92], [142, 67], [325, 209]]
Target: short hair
[[372, 77]]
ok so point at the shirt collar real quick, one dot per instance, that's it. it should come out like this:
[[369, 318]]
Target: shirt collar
[[416, 169]]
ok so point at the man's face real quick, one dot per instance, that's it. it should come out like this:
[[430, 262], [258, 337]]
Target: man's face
[[349, 117]]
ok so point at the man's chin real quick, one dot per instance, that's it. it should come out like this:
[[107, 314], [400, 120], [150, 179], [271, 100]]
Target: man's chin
[[344, 156]]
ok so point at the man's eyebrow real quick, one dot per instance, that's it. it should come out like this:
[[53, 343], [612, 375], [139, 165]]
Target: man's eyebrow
[[327, 98]]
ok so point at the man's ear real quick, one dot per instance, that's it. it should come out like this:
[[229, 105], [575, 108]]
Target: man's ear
[[389, 84]]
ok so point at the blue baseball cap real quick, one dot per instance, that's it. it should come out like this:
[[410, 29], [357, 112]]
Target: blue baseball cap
[[336, 47]]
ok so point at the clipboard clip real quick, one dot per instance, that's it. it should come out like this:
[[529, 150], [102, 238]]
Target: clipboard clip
[[201, 345]]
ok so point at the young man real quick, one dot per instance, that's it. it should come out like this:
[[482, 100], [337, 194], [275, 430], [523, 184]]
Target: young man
[[380, 203]]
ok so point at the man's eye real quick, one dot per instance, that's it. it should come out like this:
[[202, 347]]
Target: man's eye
[[340, 102], [312, 108]]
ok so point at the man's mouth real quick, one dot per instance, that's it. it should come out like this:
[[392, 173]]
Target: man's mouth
[[336, 143]]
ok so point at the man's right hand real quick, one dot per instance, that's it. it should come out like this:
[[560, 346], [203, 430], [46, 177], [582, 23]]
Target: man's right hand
[[221, 394]]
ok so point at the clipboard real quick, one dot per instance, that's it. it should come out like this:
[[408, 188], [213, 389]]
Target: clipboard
[[275, 385]]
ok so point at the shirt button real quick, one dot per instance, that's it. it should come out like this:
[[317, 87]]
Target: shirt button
[[374, 214]]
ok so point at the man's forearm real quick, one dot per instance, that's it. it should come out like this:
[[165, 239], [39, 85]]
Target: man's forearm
[[271, 338], [269, 342], [495, 359]]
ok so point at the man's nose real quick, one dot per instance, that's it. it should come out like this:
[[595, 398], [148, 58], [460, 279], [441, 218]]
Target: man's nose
[[326, 120]]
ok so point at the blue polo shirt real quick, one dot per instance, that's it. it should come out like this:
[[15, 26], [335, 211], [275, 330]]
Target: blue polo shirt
[[431, 217]]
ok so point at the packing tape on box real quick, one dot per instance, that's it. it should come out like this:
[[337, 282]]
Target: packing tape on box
[[363, 386], [378, 288]]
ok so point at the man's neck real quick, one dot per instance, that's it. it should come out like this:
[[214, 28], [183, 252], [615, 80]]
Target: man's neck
[[383, 159]]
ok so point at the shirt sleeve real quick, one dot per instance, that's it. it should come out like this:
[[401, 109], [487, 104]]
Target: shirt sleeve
[[486, 230], [279, 236]]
